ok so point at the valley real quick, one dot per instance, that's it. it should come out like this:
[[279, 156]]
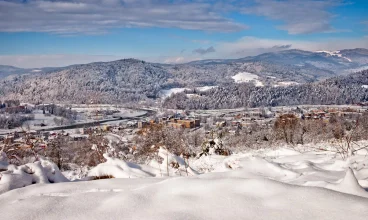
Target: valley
[[183, 109]]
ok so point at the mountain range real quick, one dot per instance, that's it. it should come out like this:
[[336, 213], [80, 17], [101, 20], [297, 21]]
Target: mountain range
[[131, 80], [11, 71]]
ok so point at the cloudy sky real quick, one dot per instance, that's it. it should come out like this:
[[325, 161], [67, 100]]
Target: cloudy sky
[[37, 33]]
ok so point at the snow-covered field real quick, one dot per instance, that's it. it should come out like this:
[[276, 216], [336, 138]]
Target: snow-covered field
[[278, 183], [286, 83], [167, 92], [39, 118], [247, 77]]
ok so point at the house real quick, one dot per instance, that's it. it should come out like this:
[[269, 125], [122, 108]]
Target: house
[[236, 123], [142, 124], [132, 124], [187, 123], [253, 114], [221, 124], [175, 125], [116, 129], [78, 137], [106, 128], [197, 122], [15, 109]]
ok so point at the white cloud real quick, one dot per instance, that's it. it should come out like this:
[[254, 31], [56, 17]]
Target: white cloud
[[98, 16], [298, 16]]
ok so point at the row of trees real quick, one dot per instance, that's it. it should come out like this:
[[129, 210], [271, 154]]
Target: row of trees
[[288, 129], [177, 141], [10, 121]]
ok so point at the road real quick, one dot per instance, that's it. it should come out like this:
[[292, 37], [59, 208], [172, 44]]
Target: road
[[97, 123], [148, 113]]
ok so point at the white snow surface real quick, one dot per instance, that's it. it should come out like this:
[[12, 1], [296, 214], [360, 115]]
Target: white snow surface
[[167, 92], [205, 88], [121, 169], [42, 171], [118, 169], [242, 77], [280, 183], [286, 83]]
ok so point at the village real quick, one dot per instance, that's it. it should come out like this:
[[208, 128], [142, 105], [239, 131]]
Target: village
[[115, 124]]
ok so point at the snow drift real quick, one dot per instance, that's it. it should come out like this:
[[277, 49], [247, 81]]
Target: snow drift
[[42, 171], [171, 165]]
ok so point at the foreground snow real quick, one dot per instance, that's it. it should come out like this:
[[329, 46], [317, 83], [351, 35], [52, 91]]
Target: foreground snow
[[231, 195], [264, 184]]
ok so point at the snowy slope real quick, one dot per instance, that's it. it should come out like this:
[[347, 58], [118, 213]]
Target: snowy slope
[[334, 53], [242, 77], [264, 184]]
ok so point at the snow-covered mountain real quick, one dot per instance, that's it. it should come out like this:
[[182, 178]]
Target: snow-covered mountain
[[9, 70], [342, 58], [339, 62], [132, 80]]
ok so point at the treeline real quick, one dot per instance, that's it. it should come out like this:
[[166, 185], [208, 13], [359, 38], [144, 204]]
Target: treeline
[[10, 121], [338, 90]]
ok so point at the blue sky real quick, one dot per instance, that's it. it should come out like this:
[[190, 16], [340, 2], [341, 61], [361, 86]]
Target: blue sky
[[36, 33]]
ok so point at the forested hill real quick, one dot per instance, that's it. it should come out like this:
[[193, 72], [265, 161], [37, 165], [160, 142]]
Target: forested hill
[[131, 80], [108, 82], [338, 90]]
